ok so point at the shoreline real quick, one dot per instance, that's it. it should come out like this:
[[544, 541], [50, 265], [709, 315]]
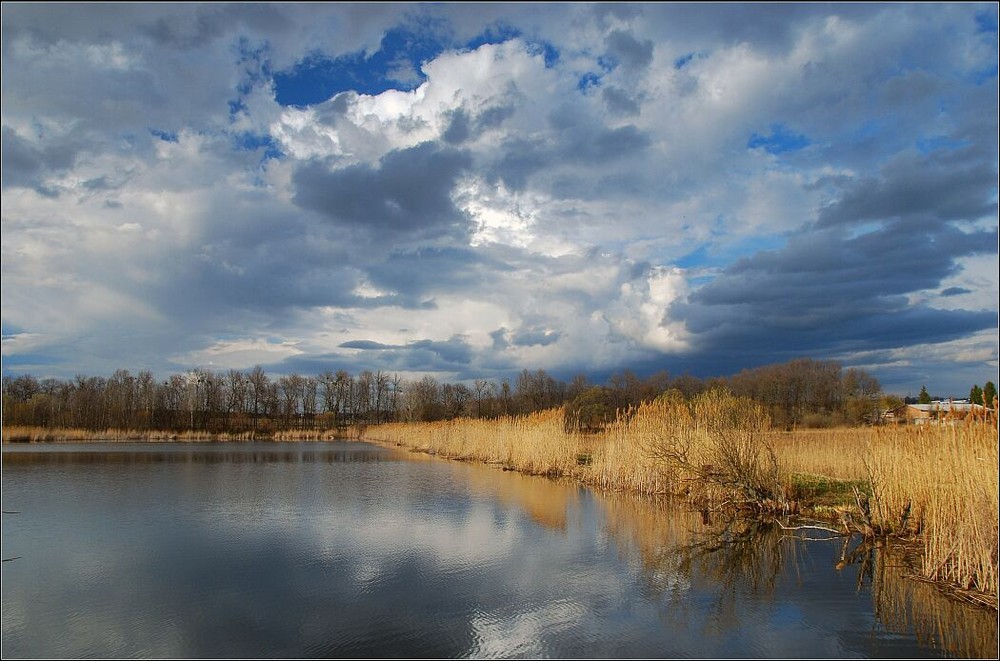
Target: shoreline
[[564, 457]]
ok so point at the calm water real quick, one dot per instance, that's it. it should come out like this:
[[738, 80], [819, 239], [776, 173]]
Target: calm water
[[352, 550]]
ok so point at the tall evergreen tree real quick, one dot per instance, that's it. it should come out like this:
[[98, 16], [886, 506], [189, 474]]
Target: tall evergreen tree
[[989, 394], [923, 398]]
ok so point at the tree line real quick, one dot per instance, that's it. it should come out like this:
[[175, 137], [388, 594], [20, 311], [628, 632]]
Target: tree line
[[984, 396], [802, 392]]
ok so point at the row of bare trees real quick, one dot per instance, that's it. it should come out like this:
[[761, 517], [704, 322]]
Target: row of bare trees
[[799, 392], [202, 400]]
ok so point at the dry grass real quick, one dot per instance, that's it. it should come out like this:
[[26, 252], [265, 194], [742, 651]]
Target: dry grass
[[833, 453], [535, 444], [20, 434], [16, 434], [619, 460], [715, 446], [945, 479]]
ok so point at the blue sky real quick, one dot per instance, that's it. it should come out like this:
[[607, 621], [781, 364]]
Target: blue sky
[[468, 190]]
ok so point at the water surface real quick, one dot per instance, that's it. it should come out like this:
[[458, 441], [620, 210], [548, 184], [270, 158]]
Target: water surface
[[354, 550]]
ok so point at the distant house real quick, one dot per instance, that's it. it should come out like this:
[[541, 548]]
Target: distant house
[[936, 412]]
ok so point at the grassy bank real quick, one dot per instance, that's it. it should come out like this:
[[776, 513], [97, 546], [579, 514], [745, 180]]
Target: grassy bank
[[936, 486], [23, 434]]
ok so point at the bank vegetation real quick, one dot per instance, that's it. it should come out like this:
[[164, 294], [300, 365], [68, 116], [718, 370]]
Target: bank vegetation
[[805, 437], [932, 486]]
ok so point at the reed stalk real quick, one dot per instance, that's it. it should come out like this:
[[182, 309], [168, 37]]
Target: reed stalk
[[941, 482]]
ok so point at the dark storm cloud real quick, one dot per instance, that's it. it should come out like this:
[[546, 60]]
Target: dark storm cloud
[[463, 126], [577, 141], [453, 353], [828, 292], [274, 285], [610, 144], [494, 116], [26, 164], [826, 270], [408, 192], [270, 263], [367, 345], [944, 185], [459, 127], [618, 101], [772, 27], [412, 272], [521, 159], [165, 25], [535, 337], [531, 336], [628, 50]]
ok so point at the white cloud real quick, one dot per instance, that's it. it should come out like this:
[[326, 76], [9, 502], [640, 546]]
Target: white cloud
[[238, 353]]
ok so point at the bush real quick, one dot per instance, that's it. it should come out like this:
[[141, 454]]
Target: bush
[[720, 441], [590, 411]]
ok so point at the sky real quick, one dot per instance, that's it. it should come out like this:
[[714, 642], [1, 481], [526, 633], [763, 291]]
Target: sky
[[466, 190]]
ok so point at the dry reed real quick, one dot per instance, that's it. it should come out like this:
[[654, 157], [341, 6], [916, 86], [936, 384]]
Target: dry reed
[[941, 481], [535, 444], [619, 460], [831, 453]]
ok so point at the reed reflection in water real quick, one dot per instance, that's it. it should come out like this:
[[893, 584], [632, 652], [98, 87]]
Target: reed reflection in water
[[353, 550], [731, 563]]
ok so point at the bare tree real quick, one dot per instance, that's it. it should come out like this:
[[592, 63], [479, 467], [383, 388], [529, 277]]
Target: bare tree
[[258, 385]]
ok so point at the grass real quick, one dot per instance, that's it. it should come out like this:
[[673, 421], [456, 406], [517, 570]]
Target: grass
[[836, 454], [24, 434], [941, 483]]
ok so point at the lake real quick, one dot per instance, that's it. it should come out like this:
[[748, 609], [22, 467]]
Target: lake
[[338, 549]]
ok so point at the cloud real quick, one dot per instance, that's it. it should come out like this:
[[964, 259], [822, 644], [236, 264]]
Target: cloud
[[944, 185], [474, 190], [409, 192], [628, 50], [29, 164]]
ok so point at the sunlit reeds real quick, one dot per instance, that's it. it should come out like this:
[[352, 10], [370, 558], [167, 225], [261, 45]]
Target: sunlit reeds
[[936, 481], [832, 453], [941, 481], [619, 459], [535, 444]]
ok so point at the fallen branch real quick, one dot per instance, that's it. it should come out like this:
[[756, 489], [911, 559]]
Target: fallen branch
[[833, 531]]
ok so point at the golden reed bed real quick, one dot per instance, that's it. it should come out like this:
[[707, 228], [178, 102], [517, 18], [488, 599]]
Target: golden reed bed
[[935, 484]]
